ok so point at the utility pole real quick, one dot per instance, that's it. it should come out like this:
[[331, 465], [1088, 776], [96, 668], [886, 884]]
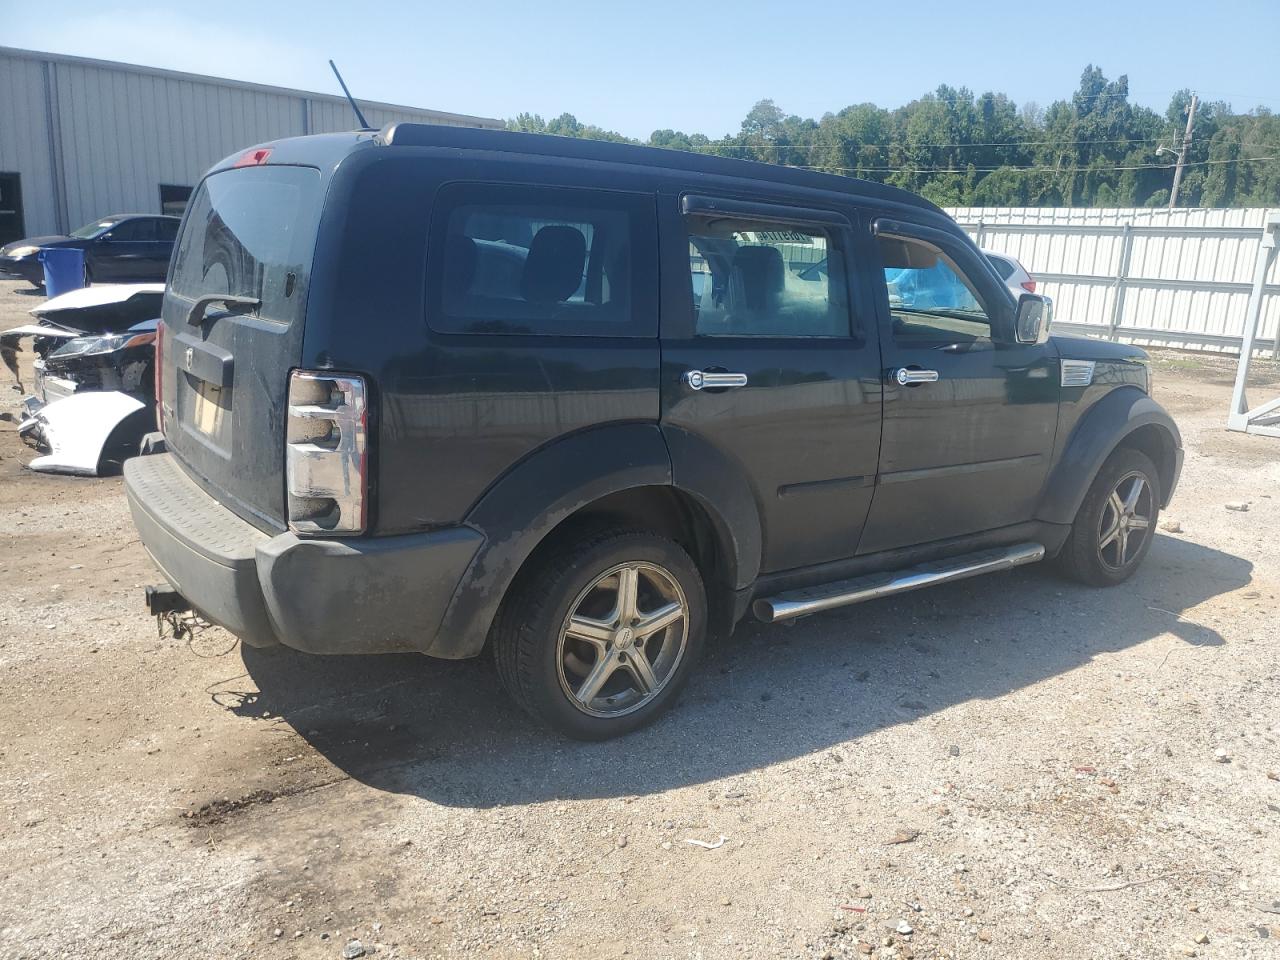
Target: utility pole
[[1182, 155]]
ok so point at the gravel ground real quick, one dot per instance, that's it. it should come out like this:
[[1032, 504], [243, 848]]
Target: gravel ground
[[1009, 767]]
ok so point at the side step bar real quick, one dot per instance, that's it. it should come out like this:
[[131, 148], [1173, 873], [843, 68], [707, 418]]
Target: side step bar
[[828, 596]]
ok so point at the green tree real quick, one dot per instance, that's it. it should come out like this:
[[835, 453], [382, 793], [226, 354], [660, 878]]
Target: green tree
[[1094, 148]]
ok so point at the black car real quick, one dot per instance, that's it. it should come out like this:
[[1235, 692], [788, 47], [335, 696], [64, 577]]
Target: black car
[[126, 246], [584, 404]]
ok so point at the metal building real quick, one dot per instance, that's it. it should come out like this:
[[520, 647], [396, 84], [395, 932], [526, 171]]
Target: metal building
[[80, 138]]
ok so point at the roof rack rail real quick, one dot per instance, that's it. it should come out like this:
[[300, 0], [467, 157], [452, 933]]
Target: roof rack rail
[[405, 134]]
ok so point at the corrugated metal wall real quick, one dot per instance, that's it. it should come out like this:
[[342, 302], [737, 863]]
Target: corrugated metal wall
[[24, 139], [122, 131], [1174, 277]]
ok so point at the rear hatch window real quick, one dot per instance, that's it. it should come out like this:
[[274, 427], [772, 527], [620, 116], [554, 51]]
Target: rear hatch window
[[249, 232]]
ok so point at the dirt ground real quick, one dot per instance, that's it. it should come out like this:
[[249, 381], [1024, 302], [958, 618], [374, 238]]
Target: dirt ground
[[1012, 766]]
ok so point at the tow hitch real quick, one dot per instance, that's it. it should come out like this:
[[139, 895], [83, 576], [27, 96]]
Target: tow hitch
[[162, 600]]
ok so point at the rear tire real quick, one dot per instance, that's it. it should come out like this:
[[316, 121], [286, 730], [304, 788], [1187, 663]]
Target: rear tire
[[600, 632], [1116, 522]]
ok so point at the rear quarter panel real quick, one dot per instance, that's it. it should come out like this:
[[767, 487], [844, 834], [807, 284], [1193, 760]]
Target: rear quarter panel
[[454, 411]]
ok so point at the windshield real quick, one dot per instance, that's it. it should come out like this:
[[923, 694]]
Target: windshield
[[251, 232], [91, 230]]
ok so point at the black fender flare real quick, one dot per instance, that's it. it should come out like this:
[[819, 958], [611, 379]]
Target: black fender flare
[[528, 502], [720, 486], [1101, 429]]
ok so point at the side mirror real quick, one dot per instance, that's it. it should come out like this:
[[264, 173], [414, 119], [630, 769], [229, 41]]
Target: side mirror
[[106, 238], [1031, 325]]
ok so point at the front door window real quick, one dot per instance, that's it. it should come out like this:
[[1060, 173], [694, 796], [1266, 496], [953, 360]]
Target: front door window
[[930, 298]]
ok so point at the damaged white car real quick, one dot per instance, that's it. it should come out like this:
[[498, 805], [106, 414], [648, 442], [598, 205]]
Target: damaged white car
[[87, 434], [94, 392]]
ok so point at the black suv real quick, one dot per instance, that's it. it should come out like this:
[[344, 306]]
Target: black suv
[[585, 404]]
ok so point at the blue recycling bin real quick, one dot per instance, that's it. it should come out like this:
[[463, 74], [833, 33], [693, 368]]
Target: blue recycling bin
[[63, 269]]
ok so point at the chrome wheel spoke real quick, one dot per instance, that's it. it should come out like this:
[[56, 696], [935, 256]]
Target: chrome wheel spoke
[[595, 632], [642, 672], [1109, 537], [651, 623], [1135, 492], [1117, 505], [1122, 550], [628, 594], [597, 678], [1138, 523]]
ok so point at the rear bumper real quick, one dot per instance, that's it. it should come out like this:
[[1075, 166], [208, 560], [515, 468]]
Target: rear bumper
[[356, 595]]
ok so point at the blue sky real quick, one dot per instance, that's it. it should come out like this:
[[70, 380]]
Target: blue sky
[[698, 67]]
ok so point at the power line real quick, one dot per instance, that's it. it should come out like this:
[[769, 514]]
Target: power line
[[1074, 98], [985, 143], [1036, 169], [904, 145], [1246, 96]]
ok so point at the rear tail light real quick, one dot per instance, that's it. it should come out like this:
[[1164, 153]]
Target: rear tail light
[[159, 376], [326, 466], [1028, 284]]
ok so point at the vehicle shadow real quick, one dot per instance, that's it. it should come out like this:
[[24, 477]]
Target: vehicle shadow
[[446, 732]]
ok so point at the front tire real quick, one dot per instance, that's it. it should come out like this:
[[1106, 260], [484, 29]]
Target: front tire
[[1116, 522], [600, 633]]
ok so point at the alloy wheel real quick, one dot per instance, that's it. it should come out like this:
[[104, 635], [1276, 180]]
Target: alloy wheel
[[1126, 521], [623, 639]]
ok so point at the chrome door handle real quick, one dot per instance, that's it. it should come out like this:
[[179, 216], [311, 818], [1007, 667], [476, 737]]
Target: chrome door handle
[[701, 379], [907, 377]]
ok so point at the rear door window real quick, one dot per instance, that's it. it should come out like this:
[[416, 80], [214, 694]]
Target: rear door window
[[765, 279], [140, 230], [251, 232], [544, 261]]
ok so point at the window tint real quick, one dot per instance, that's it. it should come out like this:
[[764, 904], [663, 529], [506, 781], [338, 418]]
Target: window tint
[[167, 230], [765, 279], [930, 298], [91, 230], [1003, 267], [543, 261], [141, 228], [251, 232]]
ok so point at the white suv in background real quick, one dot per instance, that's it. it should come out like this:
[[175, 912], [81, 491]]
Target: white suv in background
[[1012, 273]]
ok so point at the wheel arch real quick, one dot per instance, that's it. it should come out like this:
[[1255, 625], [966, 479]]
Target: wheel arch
[[535, 504], [1126, 417]]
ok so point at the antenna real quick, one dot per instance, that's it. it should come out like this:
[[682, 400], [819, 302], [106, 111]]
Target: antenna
[[350, 99]]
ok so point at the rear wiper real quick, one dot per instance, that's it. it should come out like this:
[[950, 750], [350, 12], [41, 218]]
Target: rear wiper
[[196, 314]]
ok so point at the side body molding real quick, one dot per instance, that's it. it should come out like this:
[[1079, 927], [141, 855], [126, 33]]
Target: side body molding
[[522, 507], [1098, 432]]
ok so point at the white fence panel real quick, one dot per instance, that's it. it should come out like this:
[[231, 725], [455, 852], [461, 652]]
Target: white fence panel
[[1170, 277]]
